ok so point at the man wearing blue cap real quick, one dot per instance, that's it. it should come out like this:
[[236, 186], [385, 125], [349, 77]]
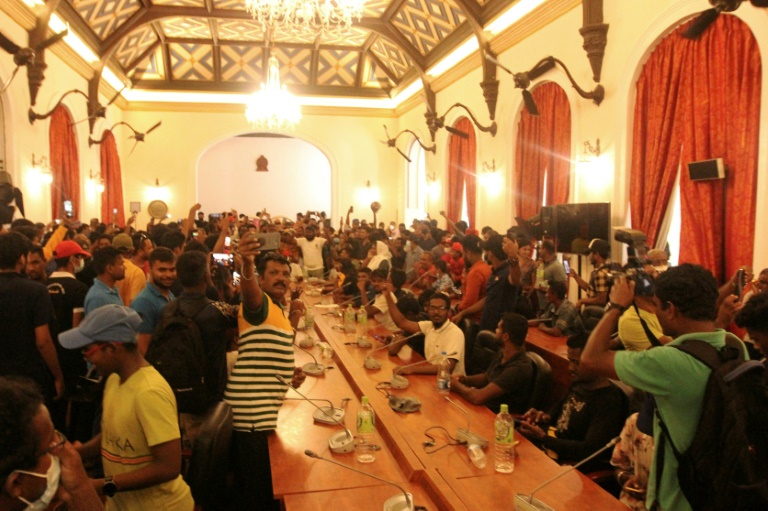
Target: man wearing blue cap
[[139, 442]]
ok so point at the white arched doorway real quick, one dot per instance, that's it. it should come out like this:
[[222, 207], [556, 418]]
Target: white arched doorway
[[298, 176]]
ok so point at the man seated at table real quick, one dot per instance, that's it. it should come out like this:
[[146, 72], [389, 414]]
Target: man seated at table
[[509, 378], [379, 307], [440, 335], [560, 317], [586, 419]]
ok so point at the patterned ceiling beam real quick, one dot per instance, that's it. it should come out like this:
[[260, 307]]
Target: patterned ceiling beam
[[386, 31], [392, 76]]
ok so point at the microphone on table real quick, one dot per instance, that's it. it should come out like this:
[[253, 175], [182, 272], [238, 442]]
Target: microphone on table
[[341, 442], [330, 410], [400, 382], [407, 496], [312, 368], [371, 363], [466, 435], [528, 503]]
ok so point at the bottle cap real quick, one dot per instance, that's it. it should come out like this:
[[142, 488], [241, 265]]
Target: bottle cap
[[364, 400], [503, 409]]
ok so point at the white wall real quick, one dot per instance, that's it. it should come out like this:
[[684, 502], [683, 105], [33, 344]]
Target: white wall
[[299, 177]]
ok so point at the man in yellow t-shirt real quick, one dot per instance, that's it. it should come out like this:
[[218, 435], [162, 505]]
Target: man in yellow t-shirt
[[140, 443], [631, 332]]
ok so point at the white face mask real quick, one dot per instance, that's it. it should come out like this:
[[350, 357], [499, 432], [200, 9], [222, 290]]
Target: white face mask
[[51, 477], [80, 265]]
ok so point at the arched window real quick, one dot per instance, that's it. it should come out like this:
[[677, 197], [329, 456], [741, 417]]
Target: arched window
[[65, 165], [416, 181], [462, 182], [708, 107], [543, 155]]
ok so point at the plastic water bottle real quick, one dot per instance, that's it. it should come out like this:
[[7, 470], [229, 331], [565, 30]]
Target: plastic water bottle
[[443, 374], [362, 323], [476, 455], [540, 275], [349, 320], [366, 425], [504, 454]]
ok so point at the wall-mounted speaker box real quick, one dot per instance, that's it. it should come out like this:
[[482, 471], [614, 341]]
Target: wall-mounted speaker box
[[706, 169]]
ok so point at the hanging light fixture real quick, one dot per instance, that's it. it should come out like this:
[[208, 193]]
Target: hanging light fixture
[[273, 108], [302, 16]]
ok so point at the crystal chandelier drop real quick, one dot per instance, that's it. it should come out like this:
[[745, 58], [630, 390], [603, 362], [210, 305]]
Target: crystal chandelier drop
[[273, 108], [305, 16]]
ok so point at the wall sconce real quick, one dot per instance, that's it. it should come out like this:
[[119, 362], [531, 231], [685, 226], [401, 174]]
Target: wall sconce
[[591, 152], [96, 182], [431, 176], [42, 169], [489, 168], [489, 178]]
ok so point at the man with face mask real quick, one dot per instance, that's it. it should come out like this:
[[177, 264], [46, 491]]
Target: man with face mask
[[68, 297], [37, 464]]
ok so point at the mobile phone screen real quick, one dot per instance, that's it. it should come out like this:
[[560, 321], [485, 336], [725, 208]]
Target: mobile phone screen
[[68, 207], [567, 266]]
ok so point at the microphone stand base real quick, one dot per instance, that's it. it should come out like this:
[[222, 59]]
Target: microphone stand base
[[341, 442], [399, 503], [470, 438], [399, 382], [313, 369], [522, 503]]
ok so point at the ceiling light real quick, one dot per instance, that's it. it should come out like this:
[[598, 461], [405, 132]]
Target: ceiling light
[[273, 108], [302, 16]]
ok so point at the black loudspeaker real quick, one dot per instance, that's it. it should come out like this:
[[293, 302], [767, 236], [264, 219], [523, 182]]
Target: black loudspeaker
[[548, 224], [706, 169]]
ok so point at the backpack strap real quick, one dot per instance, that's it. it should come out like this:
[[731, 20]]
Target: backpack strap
[[177, 310], [651, 337]]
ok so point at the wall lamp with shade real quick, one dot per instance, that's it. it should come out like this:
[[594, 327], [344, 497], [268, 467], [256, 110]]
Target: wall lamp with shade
[[591, 152], [97, 183], [41, 170]]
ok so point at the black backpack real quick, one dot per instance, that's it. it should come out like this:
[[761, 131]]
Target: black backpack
[[726, 466], [176, 350]]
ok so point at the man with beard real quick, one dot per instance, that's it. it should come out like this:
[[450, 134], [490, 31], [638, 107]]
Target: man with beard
[[312, 252], [109, 267], [35, 269], [156, 295], [440, 335], [474, 285], [265, 349]]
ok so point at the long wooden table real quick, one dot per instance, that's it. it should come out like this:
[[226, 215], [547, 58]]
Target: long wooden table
[[554, 350], [445, 479]]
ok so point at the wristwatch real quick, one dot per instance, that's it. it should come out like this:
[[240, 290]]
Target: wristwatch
[[110, 488], [614, 305]]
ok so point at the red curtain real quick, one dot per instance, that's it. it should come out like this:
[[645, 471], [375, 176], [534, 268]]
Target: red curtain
[[65, 165], [461, 171], [543, 148], [702, 101], [112, 198]]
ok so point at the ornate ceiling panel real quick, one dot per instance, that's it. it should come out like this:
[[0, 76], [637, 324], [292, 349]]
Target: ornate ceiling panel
[[104, 16], [134, 45], [186, 28], [215, 45]]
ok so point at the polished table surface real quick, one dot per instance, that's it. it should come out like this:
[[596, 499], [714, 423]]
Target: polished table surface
[[446, 477], [553, 349]]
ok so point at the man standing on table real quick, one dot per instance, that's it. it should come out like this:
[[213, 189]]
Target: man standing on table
[[440, 335], [265, 349]]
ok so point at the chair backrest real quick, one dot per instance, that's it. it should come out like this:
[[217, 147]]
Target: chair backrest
[[469, 328], [210, 453], [542, 376], [483, 350]]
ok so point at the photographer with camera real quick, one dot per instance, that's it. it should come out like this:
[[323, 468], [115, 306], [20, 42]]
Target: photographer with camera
[[639, 328]]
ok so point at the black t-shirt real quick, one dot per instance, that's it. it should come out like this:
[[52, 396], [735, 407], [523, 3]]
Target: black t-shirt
[[214, 320], [67, 295], [87, 275], [501, 297], [515, 377], [24, 306]]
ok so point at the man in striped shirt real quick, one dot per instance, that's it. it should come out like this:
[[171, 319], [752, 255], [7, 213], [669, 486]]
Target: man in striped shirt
[[265, 349]]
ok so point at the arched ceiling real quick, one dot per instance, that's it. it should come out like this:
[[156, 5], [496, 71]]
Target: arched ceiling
[[214, 45]]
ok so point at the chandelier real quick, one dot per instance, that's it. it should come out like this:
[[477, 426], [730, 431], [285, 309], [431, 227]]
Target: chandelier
[[305, 16], [273, 108]]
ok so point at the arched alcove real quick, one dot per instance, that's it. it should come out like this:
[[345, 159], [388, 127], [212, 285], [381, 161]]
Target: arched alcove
[[298, 176]]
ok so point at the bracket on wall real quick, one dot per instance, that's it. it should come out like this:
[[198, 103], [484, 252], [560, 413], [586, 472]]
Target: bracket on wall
[[595, 34]]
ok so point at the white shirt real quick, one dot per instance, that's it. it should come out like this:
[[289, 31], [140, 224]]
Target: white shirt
[[384, 318], [448, 338], [312, 252]]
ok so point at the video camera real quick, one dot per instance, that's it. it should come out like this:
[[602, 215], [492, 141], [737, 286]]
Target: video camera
[[636, 258]]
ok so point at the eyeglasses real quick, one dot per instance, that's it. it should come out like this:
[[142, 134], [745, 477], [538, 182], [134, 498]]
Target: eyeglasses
[[58, 440], [437, 308]]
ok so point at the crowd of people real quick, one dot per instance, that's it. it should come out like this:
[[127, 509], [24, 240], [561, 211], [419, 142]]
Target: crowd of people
[[82, 303]]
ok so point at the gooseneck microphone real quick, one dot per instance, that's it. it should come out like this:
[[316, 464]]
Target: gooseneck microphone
[[400, 382], [371, 363], [408, 502], [465, 435], [311, 368], [528, 503], [335, 442]]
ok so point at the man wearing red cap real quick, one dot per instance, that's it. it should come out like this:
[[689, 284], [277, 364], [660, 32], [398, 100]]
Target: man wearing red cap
[[455, 263], [68, 296]]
